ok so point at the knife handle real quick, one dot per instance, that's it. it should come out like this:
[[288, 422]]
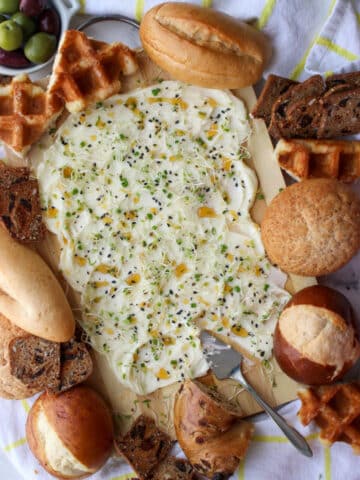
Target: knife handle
[[290, 432]]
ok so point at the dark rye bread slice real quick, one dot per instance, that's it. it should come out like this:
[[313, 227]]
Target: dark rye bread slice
[[173, 468], [144, 447], [295, 113], [340, 114], [76, 364], [273, 88], [35, 361]]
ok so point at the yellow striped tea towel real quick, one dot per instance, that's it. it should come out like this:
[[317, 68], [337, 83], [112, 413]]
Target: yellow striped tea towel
[[308, 36]]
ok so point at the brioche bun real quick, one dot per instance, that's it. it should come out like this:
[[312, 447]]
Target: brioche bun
[[203, 46], [312, 227], [315, 341], [71, 434]]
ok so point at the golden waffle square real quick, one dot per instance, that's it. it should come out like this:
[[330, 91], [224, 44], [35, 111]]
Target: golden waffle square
[[336, 410], [88, 71], [304, 159], [26, 112]]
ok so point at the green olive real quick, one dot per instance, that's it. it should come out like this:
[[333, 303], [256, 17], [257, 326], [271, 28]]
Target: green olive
[[9, 6], [26, 23], [11, 35], [40, 47]]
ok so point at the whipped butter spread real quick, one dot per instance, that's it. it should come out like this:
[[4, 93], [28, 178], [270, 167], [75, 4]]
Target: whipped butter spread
[[149, 197]]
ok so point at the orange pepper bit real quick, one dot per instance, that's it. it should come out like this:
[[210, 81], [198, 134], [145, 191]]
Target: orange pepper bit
[[239, 331], [133, 279], [163, 374], [206, 212], [180, 270]]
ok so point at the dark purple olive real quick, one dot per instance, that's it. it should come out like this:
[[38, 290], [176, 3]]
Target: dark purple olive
[[32, 8], [49, 22], [14, 59]]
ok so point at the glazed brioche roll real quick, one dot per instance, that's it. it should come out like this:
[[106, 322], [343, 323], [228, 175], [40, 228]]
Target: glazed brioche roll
[[30, 295], [204, 47]]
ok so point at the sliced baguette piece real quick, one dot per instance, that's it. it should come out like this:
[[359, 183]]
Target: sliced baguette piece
[[30, 295]]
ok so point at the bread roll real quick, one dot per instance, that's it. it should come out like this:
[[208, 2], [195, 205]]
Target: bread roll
[[71, 434], [312, 227], [204, 47], [315, 341], [30, 295]]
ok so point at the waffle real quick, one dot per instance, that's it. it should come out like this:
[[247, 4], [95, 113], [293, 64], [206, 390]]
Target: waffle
[[26, 111], [336, 410], [88, 71], [319, 159]]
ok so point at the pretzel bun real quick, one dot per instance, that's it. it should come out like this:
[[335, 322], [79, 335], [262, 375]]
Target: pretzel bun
[[315, 341], [70, 434], [203, 46], [30, 295]]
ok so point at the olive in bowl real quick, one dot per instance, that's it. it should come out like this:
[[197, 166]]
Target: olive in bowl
[[42, 22], [315, 341]]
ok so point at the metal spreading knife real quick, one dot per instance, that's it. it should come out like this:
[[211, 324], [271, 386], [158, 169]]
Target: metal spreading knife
[[226, 363]]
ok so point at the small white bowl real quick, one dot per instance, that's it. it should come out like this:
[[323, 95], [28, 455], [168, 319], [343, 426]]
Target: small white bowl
[[66, 9]]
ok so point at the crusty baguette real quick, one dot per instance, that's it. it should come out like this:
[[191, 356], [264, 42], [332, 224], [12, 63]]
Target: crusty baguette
[[203, 46], [30, 295]]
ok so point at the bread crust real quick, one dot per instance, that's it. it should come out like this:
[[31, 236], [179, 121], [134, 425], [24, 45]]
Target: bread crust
[[10, 386], [312, 227], [303, 368], [204, 47], [82, 421], [30, 295]]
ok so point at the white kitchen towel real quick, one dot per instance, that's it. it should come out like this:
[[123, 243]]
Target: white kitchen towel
[[270, 455], [308, 36]]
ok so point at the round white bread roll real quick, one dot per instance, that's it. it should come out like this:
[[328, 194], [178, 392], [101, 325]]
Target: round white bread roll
[[71, 434], [30, 295], [203, 46]]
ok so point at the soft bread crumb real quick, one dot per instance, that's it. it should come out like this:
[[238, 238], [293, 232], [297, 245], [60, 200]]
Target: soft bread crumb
[[57, 456], [320, 335]]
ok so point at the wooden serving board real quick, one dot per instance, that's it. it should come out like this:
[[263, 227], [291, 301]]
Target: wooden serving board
[[275, 386]]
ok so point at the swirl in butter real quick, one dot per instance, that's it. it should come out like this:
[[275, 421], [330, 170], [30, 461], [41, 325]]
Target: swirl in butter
[[149, 196]]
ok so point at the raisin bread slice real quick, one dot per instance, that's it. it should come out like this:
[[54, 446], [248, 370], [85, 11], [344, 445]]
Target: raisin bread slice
[[340, 114], [295, 113], [273, 88], [173, 468], [144, 446], [24, 216], [76, 364], [35, 361], [20, 208], [350, 80]]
